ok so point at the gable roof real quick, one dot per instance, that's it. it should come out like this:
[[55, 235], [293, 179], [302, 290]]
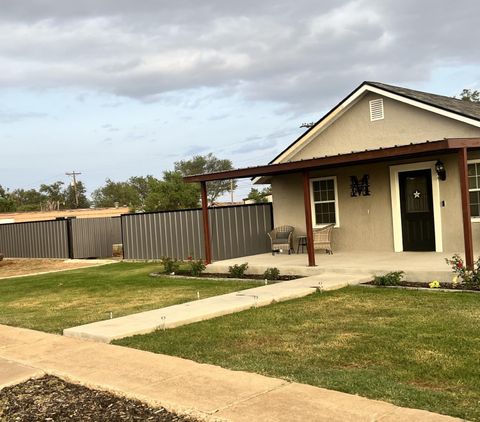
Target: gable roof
[[461, 107], [465, 111]]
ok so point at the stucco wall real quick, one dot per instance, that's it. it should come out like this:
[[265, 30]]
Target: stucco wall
[[402, 124], [366, 222]]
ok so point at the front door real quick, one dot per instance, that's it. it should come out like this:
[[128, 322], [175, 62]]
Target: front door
[[418, 228]]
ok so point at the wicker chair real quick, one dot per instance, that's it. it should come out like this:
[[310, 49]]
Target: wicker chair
[[322, 238], [281, 238]]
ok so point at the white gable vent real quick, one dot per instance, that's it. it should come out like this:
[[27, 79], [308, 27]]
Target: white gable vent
[[376, 109]]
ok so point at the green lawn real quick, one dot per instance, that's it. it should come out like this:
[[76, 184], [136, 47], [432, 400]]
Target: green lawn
[[52, 302], [412, 348]]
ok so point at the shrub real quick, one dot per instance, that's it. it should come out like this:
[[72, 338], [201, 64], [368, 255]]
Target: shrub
[[271, 274], [435, 284], [197, 267], [470, 278], [390, 279], [170, 265], [1, 256], [238, 271]]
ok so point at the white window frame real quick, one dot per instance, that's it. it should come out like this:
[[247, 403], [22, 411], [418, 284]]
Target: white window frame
[[472, 218], [335, 191]]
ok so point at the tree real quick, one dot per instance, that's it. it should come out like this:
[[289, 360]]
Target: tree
[[171, 193], [201, 164], [69, 196], [28, 200], [470, 95], [259, 195], [6, 202], [113, 193], [54, 195]]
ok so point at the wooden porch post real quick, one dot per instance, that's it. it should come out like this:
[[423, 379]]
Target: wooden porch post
[[467, 222], [308, 218], [206, 224]]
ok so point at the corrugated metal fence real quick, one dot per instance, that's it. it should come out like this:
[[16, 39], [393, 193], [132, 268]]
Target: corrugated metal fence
[[66, 238], [36, 239], [235, 231], [94, 237]]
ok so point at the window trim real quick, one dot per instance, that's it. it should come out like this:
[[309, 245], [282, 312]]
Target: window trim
[[335, 190], [472, 218]]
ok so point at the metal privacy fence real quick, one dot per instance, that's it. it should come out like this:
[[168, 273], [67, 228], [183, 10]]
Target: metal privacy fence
[[95, 237], [39, 239], [65, 238], [235, 231]]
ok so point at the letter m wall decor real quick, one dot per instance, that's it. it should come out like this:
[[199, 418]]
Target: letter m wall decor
[[359, 188]]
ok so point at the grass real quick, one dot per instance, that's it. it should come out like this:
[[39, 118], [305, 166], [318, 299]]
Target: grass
[[412, 348], [52, 302]]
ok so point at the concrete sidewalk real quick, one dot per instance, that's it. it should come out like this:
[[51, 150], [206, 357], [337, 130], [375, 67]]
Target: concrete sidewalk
[[187, 313], [182, 386]]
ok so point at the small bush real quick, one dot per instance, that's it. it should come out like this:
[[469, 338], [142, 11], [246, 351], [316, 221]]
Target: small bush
[[390, 279], [197, 267], [463, 275], [271, 274], [238, 271], [170, 265]]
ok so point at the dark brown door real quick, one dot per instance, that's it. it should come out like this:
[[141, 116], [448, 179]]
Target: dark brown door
[[416, 203]]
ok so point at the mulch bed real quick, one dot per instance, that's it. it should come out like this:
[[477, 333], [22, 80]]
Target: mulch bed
[[52, 399], [417, 285], [226, 275]]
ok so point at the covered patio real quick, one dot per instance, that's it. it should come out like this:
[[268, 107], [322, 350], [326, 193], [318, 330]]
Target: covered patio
[[372, 262], [418, 266]]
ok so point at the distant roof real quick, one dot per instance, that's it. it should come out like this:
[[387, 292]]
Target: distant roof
[[462, 107]]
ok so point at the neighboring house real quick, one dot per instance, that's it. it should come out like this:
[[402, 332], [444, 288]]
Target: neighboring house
[[385, 166]]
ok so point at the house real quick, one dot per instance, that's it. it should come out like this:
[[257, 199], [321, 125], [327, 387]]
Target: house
[[393, 168]]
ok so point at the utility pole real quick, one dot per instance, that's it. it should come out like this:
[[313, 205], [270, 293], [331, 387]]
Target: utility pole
[[231, 191], [74, 175]]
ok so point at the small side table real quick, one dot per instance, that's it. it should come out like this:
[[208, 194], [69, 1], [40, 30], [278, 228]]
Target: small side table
[[301, 243]]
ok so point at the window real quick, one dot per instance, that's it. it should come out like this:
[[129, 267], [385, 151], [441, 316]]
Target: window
[[376, 109], [474, 188], [324, 201]]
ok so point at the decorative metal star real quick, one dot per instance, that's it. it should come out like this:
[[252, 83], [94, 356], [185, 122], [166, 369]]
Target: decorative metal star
[[416, 194]]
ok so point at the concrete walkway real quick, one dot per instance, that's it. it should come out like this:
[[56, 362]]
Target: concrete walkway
[[183, 386], [187, 313]]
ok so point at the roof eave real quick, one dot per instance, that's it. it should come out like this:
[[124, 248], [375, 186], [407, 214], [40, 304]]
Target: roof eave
[[382, 154]]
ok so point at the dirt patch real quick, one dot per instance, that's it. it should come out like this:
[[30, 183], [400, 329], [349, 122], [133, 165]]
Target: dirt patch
[[187, 274], [14, 267], [52, 399], [424, 285]]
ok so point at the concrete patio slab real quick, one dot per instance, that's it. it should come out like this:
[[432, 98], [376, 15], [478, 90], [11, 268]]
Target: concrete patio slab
[[190, 312], [418, 266], [186, 387]]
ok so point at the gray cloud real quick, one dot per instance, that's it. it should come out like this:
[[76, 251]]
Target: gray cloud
[[299, 54]]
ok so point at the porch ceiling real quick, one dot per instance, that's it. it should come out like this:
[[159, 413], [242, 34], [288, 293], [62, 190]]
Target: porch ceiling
[[355, 157]]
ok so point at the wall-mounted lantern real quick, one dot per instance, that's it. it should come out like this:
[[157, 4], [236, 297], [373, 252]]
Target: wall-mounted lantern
[[440, 169]]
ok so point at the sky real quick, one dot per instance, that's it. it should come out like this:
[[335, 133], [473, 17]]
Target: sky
[[117, 88]]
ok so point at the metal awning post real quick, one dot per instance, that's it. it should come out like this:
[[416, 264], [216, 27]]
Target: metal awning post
[[308, 219], [465, 194], [206, 223]]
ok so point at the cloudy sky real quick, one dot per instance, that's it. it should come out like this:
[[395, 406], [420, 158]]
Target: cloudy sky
[[115, 88]]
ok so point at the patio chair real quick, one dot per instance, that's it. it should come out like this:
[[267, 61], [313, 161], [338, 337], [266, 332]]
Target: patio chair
[[281, 238], [322, 238]]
